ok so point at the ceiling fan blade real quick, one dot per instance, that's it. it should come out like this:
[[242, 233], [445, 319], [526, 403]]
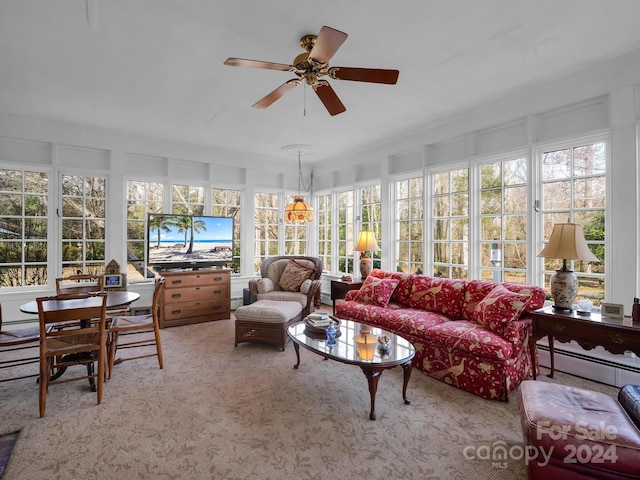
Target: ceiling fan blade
[[243, 62], [329, 98], [327, 44], [373, 75], [277, 93]]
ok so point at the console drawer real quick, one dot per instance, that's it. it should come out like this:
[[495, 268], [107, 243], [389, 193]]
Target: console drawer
[[202, 293]]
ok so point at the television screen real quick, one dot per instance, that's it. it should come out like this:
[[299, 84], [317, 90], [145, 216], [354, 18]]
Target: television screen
[[183, 241]]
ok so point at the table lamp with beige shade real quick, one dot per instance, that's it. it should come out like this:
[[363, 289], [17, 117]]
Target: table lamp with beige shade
[[366, 243], [567, 242]]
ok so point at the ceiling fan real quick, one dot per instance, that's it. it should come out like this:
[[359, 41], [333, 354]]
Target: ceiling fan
[[312, 64]]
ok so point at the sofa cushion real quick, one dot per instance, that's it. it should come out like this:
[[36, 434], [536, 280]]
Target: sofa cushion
[[281, 295], [402, 293], [296, 272], [470, 337], [499, 308], [441, 295], [476, 290], [274, 271], [394, 317], [376, 290]]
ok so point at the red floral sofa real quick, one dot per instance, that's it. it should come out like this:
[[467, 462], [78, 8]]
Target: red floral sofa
[[471, 334]]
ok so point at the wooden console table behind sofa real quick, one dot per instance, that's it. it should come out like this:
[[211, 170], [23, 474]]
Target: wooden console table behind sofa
[[589, 331]]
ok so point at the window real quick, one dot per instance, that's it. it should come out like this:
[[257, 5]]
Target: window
[[142, 198], [187, 200], [324, 217], [226, 203], [503, 220], [409, 225], [371, 214], [266, 223], [24, 198], [451, 224], [574, 190], [83, 224], [345, 232]]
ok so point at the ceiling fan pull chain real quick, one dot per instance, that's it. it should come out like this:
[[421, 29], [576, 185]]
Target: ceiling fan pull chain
[[304, 100]]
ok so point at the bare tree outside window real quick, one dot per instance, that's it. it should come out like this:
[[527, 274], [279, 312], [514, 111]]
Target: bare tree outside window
[[24, 197], [409, 225], [503, 220], [451, 224], [574, 190], [83, 224]]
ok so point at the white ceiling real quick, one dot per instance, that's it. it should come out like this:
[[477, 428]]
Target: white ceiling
[[154, 68]]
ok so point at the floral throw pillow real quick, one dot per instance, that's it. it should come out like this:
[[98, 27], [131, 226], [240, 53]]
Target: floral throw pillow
[[498, 308], [376, 290], [294, 274]]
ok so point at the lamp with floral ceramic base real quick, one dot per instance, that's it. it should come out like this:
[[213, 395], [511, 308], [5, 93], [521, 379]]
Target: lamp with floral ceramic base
[[566, 243], [366, 243]]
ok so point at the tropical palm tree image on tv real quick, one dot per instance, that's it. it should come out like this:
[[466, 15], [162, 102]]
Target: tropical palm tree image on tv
[[189, 241]]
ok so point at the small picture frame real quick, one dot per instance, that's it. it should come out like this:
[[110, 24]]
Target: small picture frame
[[112, 280], [612, 310]]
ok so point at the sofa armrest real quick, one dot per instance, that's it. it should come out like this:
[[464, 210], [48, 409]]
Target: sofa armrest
[[518, 331], [351, 295], [311, 297], [253, 289]]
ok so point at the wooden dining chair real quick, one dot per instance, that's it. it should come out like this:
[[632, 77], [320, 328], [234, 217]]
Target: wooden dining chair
[[137, 331], [18, 347], [83, 342], [80, 283]]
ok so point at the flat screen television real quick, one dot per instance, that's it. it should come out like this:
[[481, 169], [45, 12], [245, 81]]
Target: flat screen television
[[188, 241]]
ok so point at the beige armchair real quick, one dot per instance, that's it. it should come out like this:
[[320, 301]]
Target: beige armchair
[[291, 279]]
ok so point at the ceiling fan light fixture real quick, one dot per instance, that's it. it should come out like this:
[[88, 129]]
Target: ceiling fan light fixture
[[313, 64]]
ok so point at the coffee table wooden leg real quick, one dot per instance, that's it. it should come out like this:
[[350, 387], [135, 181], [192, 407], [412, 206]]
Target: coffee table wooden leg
[[297, 349], [373, 375], [407, 367]]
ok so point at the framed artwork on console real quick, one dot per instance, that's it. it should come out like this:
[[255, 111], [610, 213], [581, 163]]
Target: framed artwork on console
[[112, 280]]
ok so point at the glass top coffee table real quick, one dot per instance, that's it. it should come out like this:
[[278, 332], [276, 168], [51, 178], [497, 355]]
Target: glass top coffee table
[[372, 361]]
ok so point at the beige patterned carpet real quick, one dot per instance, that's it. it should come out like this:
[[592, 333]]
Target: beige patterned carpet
[[219, 412]]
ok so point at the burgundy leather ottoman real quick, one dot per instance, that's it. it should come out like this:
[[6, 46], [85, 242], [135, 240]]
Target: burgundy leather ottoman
[[573, 433]]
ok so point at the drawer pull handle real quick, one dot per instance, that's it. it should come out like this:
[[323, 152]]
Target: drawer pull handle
[[217, 291], [176, 282], [176, 312], [217, 279], [217, 307], [176, 295]]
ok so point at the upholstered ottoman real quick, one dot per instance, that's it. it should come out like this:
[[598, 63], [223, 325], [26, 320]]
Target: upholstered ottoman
[[266, 321], [573, 433]]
